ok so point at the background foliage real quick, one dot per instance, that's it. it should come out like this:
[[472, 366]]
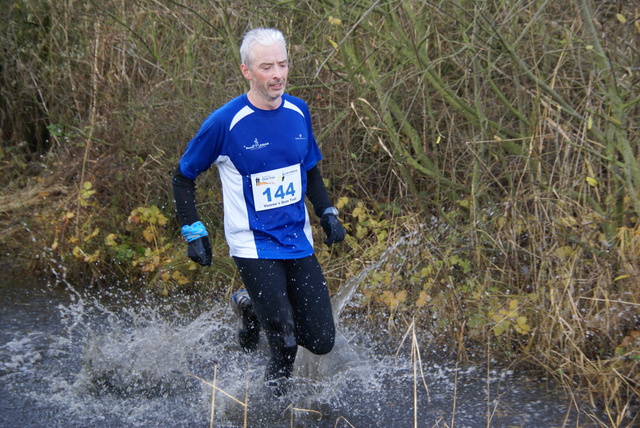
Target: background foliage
[[491, 148]]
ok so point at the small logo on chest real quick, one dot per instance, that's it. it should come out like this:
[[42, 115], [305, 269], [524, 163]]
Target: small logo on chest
[[257, 145]]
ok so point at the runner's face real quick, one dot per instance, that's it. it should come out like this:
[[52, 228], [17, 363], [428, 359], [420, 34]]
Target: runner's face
[[267, 74]]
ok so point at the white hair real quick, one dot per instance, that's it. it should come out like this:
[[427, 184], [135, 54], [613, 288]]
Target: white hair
[[259, 36]]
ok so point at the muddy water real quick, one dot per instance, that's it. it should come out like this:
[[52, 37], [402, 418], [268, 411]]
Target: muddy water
[[71, 359]]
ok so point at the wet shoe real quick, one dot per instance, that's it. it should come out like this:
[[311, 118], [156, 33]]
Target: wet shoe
[[248, 325], [279, 387]]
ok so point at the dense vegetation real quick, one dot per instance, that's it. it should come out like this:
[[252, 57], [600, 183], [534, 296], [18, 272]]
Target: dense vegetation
[[491, 145]]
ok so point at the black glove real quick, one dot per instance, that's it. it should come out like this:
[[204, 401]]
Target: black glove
[[199, 250], [333, 228]]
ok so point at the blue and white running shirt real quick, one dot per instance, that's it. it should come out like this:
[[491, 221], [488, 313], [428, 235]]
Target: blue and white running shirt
[[263, 157]]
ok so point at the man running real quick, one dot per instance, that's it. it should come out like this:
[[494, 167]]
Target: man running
[[263, 145]]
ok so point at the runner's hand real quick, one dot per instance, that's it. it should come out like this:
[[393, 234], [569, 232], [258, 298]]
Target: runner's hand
[[199, 250], [333, 228], [199, 247]]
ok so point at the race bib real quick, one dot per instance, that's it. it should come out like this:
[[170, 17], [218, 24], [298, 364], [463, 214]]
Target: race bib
[[276, 188]]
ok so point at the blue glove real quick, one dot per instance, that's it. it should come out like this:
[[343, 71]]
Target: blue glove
[[332, 227], [199, 247]]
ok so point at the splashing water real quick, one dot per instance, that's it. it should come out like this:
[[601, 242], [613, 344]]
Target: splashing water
[[344, 356], [118, 359], [345, 294]]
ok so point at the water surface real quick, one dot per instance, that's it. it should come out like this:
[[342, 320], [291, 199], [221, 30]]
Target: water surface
[[116, 358]]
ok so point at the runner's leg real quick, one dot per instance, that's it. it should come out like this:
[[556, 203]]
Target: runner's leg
[[311, 305], [266, 283]]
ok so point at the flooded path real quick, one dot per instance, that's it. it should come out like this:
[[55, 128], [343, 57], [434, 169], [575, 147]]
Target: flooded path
[[107, 359]]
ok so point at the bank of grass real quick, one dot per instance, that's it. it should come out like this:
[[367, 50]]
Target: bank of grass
[[498, 139]]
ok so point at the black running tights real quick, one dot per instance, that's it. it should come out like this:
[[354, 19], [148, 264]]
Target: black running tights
[[292, 303]]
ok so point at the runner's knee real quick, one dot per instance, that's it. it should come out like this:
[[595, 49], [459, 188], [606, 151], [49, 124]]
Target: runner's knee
[[322, 342]]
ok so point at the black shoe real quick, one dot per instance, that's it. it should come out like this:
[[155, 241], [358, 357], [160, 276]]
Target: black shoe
[[248, 325], [279, 387]]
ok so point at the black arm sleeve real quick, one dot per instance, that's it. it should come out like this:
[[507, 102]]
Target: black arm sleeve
[[184, 195], [316, 192]]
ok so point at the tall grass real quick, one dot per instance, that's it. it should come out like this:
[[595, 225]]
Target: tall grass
[[503, 133]]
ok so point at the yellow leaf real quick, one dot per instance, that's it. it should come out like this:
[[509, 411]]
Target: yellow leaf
[[589, 47], [77, 252], [95, 233], [564, 252], [521, 325], [390, 300], [422, 299], [342, 202], [162, 220], [387, 297], [497, 317], [621, 277], [592, 181], [334, 21], [110, 240], [621, 18], [334, 44], [93, 257], [513, 304], [134, 217], [590, 122], [148, 234], [500, 328], [87, 185]]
